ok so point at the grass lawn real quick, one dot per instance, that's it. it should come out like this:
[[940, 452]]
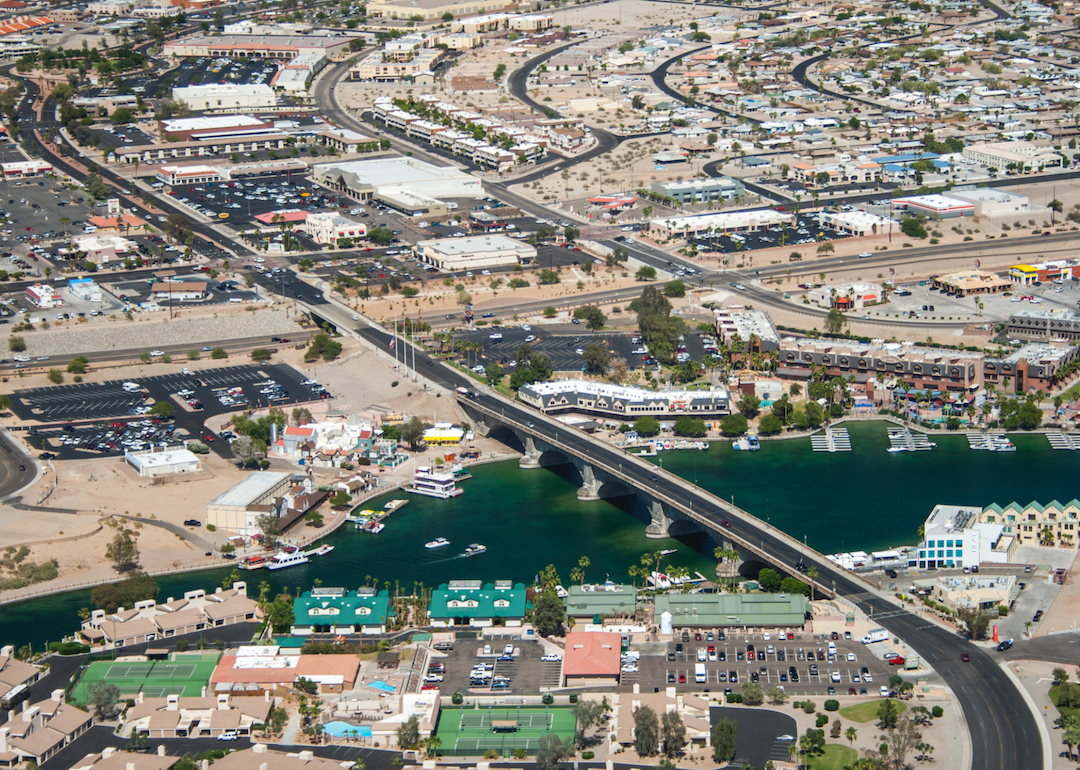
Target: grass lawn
[[1071, 394], [868, 711], [836, 757]]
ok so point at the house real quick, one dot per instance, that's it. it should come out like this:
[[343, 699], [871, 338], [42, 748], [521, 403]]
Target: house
[[175, 716], [112, 758], [14, 673], [473, 603], [39, 732], [592, 659], [337, 611]]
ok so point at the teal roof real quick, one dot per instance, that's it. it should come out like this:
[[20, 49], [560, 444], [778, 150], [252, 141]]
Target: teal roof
[[613, 601], [339, 607], [734, 609], [471, 599], [1040, 507]]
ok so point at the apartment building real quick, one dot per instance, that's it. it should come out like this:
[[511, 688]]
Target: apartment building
[[1054, 523]]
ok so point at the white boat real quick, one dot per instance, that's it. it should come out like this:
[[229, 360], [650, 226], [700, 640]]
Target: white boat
[[324, 549], [281, 560], [373, 527], [438, 542], [475, 549], [899, 449], [434, 484]]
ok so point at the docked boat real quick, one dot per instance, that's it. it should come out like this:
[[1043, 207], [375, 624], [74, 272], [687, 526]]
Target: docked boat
[[324, 549], [475, 549], [434, 484], [373, 527], [253, 562], [754, 442], [438, 542], [283, 559]]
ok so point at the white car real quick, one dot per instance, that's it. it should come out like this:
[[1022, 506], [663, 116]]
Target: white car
[[228, 736], [835, 676], [851, 657], [767, 637], [580, 351], [495, 336], [884, 691], [156, 353], [551, 657], [508, 649]]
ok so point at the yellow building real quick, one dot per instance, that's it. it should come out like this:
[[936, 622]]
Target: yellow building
[[429, 10], [1035, 524], [443, 434]]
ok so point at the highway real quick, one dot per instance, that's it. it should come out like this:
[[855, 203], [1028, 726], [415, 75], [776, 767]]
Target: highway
[[17, 469]]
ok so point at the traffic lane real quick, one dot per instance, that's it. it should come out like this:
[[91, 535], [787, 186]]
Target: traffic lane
[[295, 289], [17, 469]]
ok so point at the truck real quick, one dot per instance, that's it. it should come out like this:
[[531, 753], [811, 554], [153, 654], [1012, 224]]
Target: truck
[[699, 673], [875, 635]]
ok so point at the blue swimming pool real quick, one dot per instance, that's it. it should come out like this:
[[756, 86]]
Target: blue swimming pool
[[379, 685], [346, 730]]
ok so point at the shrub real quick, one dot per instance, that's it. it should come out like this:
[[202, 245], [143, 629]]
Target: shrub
[[457, 699], [573, 697], [182, 645], [548, 699], [822, 720], [211, 528], [587, 755], [937, 711], [832, 705]]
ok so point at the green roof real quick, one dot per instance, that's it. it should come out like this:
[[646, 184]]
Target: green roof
[[336, 606], [734, 609], [472, 599], [614, 600]]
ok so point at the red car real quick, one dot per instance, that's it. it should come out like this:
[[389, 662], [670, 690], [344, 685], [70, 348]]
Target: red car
[[208, 437], [430, 686], [682, 678], [750, 655], [725, 523], [966, 658], [897, 661]]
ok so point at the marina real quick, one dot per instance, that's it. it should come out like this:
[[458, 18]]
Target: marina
[[903, 440], [373, 522], [1066, 441], [747, 443], [440, 484], [991, 442], [832, 440]]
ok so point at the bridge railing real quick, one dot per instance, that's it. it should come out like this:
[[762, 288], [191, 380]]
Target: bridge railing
[[687, 510]]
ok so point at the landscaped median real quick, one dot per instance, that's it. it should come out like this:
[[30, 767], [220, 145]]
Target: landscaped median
[[868, 711]]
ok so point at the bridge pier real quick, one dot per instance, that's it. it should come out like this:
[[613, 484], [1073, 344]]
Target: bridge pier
[[658, 527], [531, 458], [590, 485]]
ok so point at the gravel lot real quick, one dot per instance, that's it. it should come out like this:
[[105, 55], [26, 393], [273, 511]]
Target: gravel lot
[[127, 335]]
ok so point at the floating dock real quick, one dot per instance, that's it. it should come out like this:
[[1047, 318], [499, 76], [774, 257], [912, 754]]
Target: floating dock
[[992, 441], [1064, 441], [832, 440], [903, 440]]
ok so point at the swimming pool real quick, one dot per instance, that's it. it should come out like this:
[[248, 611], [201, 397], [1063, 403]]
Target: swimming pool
[[380, 685], [346, 730]]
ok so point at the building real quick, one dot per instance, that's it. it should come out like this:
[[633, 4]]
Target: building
[[271, 669], [623, 402], [39, 732], [175, 716], [337, 611], [380, 68], [44, 296], [916, 367], [229, 96], [25, 168], [1058, 271], [989, 202], [985, 593], [237, 508], [211, 127], [330, 227], [936, 206], [112, 758], [595, 603], [592, 659], [734, 610], [955, 536], [180, 290], [429, 10], [1022, 156], [259, 46], [836, 173], [84, 289], [151, 463], [694, 710], [176, 176], [478, 605], [1035, 366], [857, 223], [443, 434], [296, 76], [752, 328], [1052, 524], [364, 179], [1044, 324], [972, 282], [475, 252], [723, 223], [103, 249], [14, 673], [700, 190]]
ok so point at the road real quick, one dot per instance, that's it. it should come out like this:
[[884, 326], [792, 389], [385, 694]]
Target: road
[[17, 469]]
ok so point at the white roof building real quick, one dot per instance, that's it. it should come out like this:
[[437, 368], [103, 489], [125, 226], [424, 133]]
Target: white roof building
[[481, 251], [330, 227], [163, 461], [727, 222], [228, 96], [388, 174]]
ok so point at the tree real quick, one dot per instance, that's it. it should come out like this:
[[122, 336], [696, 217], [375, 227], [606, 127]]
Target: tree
[[887, 716], [218, 353], [752, 694], [645, 273], [646, 732], [123, 552], [646, 425], [103, 697], [270, 528], [162, 409], [569, 233], [78, 365], [733, 425], [494, 372], [588, 713], [55, 376], [412, 432], [596, 359], [749, 406], [975, 621], [380, 235], [1061, 676], [673, 731], [260, 354], [16, 344], [341, 499], [551, 751], [912, 227], [777, 696], [674, 289], [321, 345], [408, 734], [770, 424], [280, 614], [689, 426], [769, 580], [549, 615], [723, 740], [835, 321], [851, 734], [1070, 734], [900, 740], [594, 317]]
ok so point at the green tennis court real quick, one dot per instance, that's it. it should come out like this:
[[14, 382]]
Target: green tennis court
[[469, 732], [180, 675]]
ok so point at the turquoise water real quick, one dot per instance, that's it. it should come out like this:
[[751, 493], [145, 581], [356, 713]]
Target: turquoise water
[[866, 499], [343, 729]]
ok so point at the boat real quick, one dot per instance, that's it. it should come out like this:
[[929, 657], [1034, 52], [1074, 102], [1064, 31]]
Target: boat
[[475, 549], [373, 527], [899, 449], [755, 443], [253, 562], [668, 551], [434, 484], [438, 542], [324, 549], [283, 559]]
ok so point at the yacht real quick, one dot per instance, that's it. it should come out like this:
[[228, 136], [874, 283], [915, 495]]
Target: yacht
[[475, 549], [438, 542], [434, 484], [283, 559]]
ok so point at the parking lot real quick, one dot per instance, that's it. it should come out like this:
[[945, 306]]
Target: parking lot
[[469, 669], [805, 233], [737, 658]]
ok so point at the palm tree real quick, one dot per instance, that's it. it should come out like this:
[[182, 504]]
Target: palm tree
[[584, 564], [805, 745], [851, 734], [432, 744], [812, 573]]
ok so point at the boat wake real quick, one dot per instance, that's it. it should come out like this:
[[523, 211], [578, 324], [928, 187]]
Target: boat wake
[[449, 558]]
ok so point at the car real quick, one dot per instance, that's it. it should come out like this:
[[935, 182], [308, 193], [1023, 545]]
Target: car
[[884, 691], [671, 678], [851, 691], [785, 738], [1006, 645], [851, 656], [192, 523], [835, 676], [228, 736], [207, 348], [865, 254], [966, 658], [551, 657], [580, 351], [682, 678], [355, 317]]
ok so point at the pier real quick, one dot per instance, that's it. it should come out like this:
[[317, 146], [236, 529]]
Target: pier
[[903, 440], [832, 440], [992, 441], [1063, 441]]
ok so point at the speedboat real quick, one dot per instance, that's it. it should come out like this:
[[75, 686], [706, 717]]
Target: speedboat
[[475, 549], [324, 549], [438, 542]]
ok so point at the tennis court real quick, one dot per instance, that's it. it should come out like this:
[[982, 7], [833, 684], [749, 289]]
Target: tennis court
[[177, 676], [469, 732]]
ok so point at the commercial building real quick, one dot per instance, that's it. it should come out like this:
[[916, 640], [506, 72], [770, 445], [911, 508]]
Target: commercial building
[[734, 610], [1024, 156], [180, 290], [723, 223], [985, 593], [1044, 324], [836, 173], [103, 249], [259, 46], [443, 434], [595, 603], [1035, 366], [256, 670], [380, 68], [989, 202], [476, 604], [175, 175], [625, 402], [431, 9], [937, 206], [971, 282], [44, 296], [330, 227], [857, 223], [956, 536], [592, 659], [475, 252], [210, 127], [753, 329], [295, 77], [700, 190], [1058, 271], [1052, 524], [84, 289], [25, 168], [151, 463], [493, 22], [916, 367], [337, 611], [363, 179], [237, 508], [230, 96]]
